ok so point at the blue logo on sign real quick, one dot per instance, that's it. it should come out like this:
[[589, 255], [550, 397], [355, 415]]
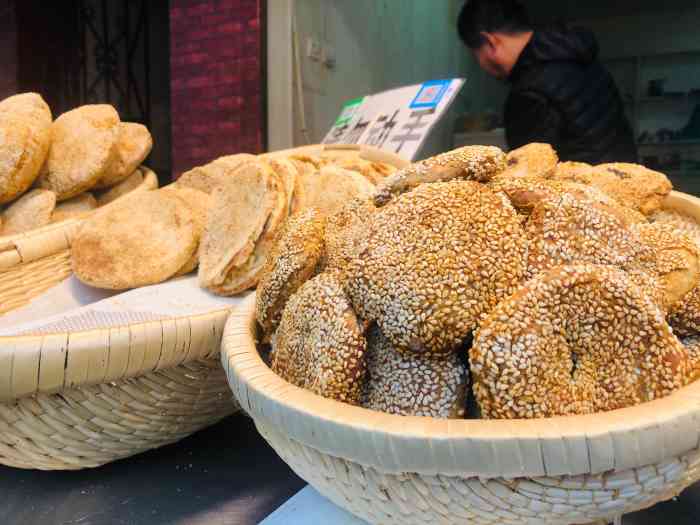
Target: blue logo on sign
[[430, 94]]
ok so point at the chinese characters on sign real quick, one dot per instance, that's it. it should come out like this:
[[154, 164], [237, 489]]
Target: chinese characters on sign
[[398, 120]]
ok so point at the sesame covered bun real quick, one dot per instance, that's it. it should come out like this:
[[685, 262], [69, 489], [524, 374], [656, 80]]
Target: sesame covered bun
[[434, 261], [292, 262], [570, 230], [575, 340], [319, 344], [409, 384], [532, 160], [629, 184], [676, 262], [477, 163]]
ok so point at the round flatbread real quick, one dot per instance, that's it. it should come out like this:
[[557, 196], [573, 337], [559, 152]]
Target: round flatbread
[[32, 210], [143, 240], [133, 146], [330, 189], [75, 207], [205, 178], [240, 211], [25, 136], [198, 203], [83, 148]]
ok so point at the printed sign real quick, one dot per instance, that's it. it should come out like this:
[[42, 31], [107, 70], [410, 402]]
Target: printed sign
[[398, 120]]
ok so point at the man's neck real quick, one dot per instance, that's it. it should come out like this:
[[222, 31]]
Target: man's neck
[[517, 44]]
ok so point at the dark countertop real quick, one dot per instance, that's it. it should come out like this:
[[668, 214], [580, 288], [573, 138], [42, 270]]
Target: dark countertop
[[225, 475]]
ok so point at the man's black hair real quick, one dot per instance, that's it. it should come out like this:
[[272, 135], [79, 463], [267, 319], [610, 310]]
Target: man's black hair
[[490, 16]]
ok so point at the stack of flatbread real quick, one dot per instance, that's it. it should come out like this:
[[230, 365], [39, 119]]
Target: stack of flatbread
[[223, 217], [51, 171], [251, 199]]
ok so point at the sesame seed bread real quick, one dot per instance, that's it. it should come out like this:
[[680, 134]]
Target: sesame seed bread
[[134, 143], [477, 163], [292, 261], [630, 184], [409, 384], [74, 207], [575, 340], [435, 261], [83, 149], [32, 210], [142, 240], [319, 344], [531, 160], [25, 136], [676, 263]]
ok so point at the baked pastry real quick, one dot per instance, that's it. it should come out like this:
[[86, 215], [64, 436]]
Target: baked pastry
[[199, 204], [142, 179], [477, 163], [409, 384], [630, 184], [575, 340], [319, 344], [83, 149], [573, 230], [74, 207], [344, 233], [134, 143], [527, 192], [374, 172], [246, 213], [25, 136], [532, 160], [293, 261], [142, 240], [434, 262], [205, 178], [329, 189], [32, 210], [676, 263]]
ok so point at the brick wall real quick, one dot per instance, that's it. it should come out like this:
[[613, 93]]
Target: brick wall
[[8, 49], [216, 80]]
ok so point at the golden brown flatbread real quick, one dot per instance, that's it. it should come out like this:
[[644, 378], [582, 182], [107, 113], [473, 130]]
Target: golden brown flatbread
[[330, 189], [133, 146], [32, 210], [83, 148], [74, 207], [142, 240], [25, 136], [242, 206]]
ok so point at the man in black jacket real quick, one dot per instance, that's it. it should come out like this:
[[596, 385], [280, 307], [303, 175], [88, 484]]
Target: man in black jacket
[[560, 92]]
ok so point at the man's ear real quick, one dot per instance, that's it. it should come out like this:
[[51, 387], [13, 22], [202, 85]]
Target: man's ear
[[490, 39]]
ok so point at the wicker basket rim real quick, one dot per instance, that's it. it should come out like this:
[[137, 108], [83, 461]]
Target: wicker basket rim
[[633, 437], [50, 239], [366, 152]]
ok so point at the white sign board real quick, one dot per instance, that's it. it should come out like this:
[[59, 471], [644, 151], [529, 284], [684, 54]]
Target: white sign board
[[398, 120]]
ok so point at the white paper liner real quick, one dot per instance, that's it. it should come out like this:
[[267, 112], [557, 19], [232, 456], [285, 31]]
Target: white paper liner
[[72, 306]]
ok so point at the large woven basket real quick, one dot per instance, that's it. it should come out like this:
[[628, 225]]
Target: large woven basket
[[81, 399], [410, 470]]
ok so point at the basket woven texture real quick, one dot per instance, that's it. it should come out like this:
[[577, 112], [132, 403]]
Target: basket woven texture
[[406, 470], [83, 399]]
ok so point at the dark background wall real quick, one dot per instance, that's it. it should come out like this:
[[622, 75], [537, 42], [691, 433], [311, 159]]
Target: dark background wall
[[8, 49], [217, 85], [198, 66]]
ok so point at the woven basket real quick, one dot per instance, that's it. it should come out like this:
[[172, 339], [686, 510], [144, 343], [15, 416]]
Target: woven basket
[[34, 261], [410, 470], [82, 399]]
